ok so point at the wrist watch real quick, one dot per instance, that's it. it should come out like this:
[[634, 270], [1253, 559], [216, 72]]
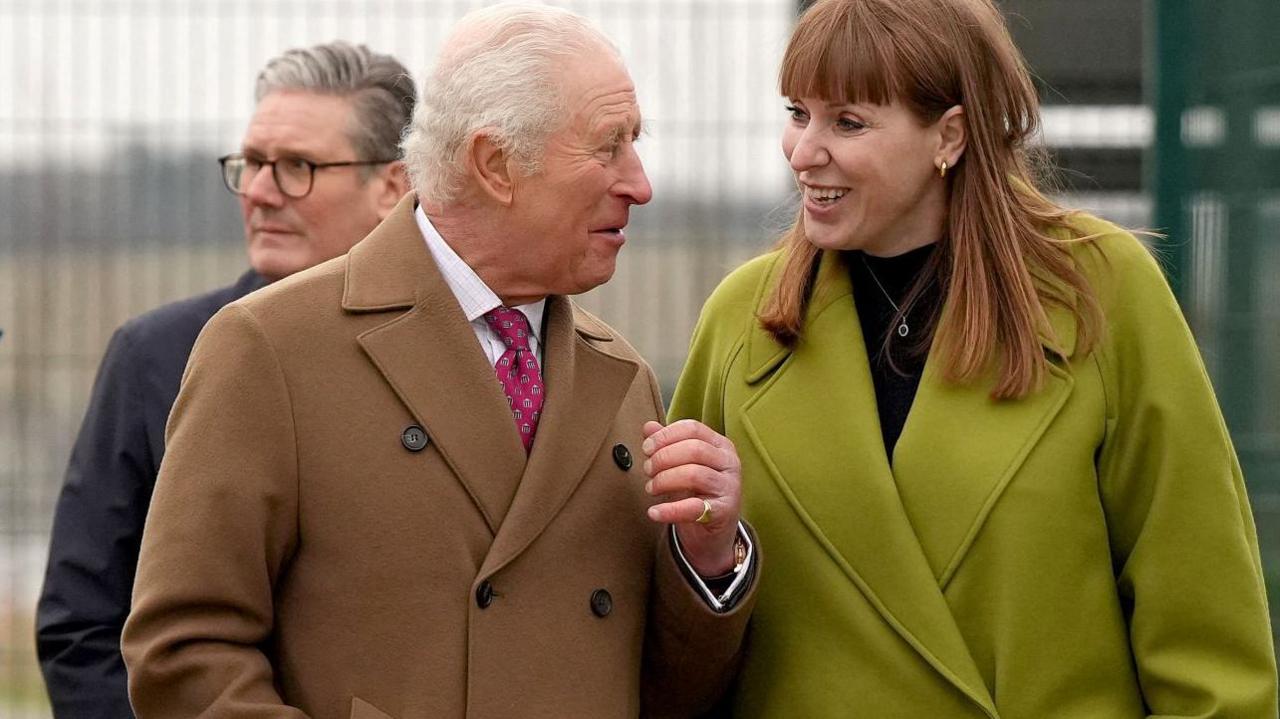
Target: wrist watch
[[739, 552]]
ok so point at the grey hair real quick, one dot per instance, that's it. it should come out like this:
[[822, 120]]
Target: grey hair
[[499, 70], [379, 88]]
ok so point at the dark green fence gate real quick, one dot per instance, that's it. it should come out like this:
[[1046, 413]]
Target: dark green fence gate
[[1213, 75]]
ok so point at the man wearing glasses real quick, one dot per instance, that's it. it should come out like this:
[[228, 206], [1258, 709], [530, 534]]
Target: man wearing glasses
[[318, 168]]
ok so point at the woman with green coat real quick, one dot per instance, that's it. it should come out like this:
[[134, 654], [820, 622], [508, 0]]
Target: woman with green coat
[[978, 444]]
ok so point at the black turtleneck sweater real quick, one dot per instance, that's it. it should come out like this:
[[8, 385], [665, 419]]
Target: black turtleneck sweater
[[896, 366]]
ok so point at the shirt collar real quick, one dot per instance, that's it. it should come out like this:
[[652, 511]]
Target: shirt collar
[[474, 296]]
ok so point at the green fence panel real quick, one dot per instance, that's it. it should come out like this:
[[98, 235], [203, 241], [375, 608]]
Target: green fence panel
[[1213, 74]]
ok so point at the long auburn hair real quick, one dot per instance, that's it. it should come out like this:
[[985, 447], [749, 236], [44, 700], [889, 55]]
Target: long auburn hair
[[998, 264]]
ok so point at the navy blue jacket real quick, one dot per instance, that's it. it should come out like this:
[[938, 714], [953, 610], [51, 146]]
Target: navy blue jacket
[[97, 526]]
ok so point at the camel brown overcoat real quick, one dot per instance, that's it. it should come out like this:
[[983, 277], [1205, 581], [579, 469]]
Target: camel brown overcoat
[[302, 559]]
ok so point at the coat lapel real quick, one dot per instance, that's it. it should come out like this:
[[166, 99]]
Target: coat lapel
[[585, 386], [958, 451], [814, 412], [430, 357]]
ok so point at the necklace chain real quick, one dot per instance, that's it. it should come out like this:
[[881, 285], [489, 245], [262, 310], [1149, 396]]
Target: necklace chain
[[903, 329]]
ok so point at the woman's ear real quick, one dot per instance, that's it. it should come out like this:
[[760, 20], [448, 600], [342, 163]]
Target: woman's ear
[[953, 134], [490, 167]]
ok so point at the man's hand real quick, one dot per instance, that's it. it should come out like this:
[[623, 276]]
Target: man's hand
[[688, 463]]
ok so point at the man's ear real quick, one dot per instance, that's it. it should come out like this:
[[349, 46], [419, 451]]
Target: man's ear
[[392, 184], [953, 132], [490, 167]]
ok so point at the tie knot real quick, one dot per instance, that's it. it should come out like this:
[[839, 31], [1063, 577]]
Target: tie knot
[[511, 325]]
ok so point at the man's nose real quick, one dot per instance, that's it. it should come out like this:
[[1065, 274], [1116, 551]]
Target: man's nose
[[262, 188], [634, 183]]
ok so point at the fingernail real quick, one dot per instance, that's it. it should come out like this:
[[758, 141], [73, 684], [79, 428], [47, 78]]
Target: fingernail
[[648, 467], [647, 447], [653, 513], [648, 487]]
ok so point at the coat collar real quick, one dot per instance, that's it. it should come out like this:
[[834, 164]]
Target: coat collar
[[831, 283], [391, 269], [428, 353], [918, 518], [249, 282]]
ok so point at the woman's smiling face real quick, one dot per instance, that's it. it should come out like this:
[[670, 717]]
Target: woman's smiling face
[[867, 174]]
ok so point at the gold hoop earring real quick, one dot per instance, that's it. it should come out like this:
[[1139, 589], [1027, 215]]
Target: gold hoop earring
[[942, 171]]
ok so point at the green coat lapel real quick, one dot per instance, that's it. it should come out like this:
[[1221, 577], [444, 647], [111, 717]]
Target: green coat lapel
[[814, 424], [960, 448], [958, 452]]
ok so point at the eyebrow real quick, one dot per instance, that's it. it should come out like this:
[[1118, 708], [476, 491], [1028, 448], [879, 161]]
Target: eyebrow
[[832, 104], [619, 131], [291, 151], [856, 105]]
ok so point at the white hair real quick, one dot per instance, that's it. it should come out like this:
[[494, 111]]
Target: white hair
[[499, 70]]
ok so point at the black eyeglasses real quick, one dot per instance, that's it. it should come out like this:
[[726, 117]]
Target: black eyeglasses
[[293, 175]]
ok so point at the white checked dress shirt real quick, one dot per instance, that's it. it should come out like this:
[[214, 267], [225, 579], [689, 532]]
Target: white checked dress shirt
[[474, 295]]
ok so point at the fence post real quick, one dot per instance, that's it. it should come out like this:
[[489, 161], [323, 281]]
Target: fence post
[[1168, 166]]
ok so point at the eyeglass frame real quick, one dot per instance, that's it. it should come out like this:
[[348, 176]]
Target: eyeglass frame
[[275, 176]]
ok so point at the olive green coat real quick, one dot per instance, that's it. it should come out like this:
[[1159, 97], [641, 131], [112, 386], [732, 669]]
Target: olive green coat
[[1087, 551]]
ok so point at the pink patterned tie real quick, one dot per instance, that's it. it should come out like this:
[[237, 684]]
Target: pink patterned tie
[[518, 371]]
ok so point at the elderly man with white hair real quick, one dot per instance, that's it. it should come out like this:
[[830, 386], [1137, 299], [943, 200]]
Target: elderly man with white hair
[[418, 480]]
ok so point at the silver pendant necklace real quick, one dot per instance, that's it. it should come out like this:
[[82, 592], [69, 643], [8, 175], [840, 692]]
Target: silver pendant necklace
[[903, 330]]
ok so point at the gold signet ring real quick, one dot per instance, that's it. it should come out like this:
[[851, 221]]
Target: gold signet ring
[[706, 513]]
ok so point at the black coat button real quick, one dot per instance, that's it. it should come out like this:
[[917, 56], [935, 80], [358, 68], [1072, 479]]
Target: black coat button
[[601, 602], [414, 438], [484, 595], [622, 456]]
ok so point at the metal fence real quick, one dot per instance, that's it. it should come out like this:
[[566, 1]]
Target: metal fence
[[112, 111], [110, 203], [1215, 180]]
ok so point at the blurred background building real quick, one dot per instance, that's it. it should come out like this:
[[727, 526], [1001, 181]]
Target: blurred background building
[[1163, 114]]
